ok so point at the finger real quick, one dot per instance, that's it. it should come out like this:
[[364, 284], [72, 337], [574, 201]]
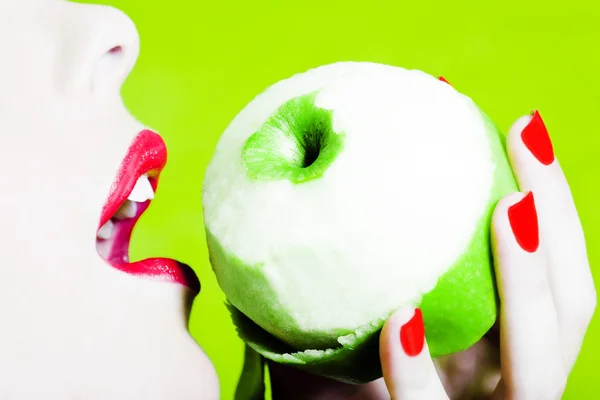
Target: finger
[[538, 170], [530, 346], [408, 369]]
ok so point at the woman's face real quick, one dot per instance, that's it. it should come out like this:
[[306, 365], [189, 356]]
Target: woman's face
[[73, 325]]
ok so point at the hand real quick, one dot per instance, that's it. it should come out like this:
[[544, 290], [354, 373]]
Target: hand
[[547, 299]]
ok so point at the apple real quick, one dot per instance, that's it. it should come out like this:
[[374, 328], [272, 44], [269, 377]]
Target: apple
[[344, 193]]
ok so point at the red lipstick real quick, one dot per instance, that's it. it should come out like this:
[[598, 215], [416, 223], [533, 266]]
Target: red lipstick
[[146, 157]]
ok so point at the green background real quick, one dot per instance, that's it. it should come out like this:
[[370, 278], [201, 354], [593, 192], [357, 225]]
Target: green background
[[201, 62]]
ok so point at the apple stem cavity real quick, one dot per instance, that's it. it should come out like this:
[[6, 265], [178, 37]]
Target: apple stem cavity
[[297, 143]]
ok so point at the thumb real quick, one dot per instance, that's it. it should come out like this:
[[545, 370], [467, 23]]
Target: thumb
[[408, 369]]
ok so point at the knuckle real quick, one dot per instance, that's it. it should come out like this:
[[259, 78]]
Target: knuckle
[[584, 307], [590, 309], [551, 389], [557, 389], [532, 284]]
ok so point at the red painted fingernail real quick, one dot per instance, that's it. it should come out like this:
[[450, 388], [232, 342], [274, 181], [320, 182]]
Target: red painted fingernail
[[524, 223], [441, 78], [412, 335], [536, 139]]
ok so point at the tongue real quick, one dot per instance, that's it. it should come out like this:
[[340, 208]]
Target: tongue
[[164, 269]]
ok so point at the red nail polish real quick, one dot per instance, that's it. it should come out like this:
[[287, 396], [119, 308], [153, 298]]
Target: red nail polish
[[524, 223], [412, 335], [441, 78], [536, 139]]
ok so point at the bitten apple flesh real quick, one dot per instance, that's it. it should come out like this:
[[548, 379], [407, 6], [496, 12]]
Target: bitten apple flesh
[[346, 192]]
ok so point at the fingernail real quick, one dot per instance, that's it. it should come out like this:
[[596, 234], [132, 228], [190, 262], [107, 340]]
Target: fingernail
[[524, 223], [441, 78], [412, 335], [536, 139]]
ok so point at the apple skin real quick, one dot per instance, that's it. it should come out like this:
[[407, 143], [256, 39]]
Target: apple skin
[[457, 312], [358, 362]]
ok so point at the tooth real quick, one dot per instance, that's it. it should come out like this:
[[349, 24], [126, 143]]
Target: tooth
[[106, 231], [142, 190], [127, 210]]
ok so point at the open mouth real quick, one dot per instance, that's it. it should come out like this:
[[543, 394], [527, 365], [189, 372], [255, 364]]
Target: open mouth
[[131, 194]]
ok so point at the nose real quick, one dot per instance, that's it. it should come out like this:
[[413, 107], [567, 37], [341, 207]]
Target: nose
[[101, 48]]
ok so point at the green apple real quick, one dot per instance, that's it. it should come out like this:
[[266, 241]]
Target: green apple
[[344, 193]]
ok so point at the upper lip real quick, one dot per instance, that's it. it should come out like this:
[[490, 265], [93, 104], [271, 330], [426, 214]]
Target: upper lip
[[147, 156]]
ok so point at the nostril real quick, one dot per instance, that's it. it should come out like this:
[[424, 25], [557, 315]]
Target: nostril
[[111, 60], [110, 70], [101, 48], [112, 67]]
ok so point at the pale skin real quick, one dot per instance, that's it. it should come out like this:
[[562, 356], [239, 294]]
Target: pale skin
[[74, 327]]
